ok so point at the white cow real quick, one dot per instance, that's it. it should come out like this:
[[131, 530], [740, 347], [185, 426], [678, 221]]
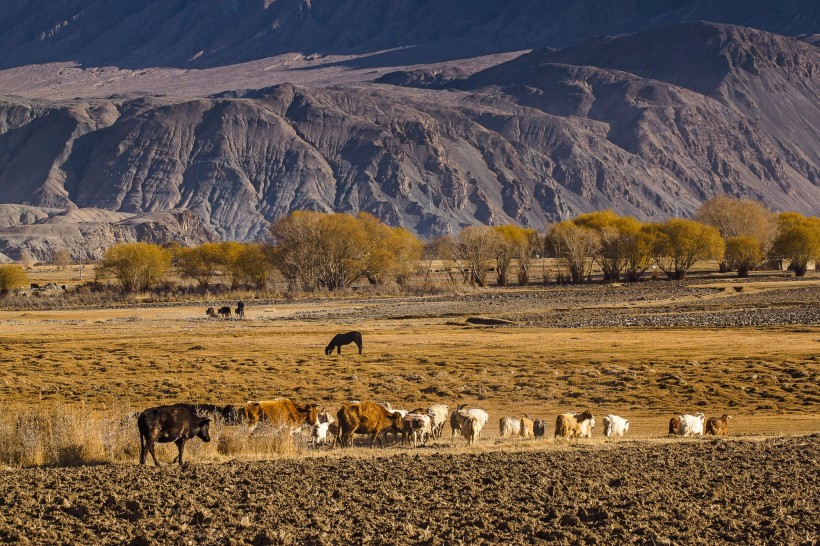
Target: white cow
[[585, 427], [692, 425], [419, 428], [509, 426], [319, 431], [461, 414], [438, 414], [615, 426]]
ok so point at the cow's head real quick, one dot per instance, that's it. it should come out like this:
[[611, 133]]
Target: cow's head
[[586, 415], [396, 420], [310, 412], [202, 429], [230, 414], [251, 413], [607, 426]]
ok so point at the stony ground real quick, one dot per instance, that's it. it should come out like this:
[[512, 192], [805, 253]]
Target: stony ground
[[749, 491], [656, 304]]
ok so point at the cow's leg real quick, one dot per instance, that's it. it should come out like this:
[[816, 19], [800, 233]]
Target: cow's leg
[[339, 349], [142, 449], [149, 446], [180, 446]]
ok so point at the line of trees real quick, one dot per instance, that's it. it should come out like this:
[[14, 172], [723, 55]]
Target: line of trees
[[313, 250]]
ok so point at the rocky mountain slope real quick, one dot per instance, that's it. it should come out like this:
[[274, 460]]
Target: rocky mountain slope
[[649, 124], [87, 233]]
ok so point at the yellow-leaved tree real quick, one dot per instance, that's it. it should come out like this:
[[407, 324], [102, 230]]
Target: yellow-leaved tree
[[11, 276], [798, 240], [137, 266], [679, 243], [514, 244]]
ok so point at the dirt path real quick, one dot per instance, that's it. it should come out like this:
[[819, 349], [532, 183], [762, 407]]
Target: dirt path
[[682, 492]]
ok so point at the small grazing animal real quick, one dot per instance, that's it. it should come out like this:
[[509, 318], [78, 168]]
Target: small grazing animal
[[344, 339], [225, 311]]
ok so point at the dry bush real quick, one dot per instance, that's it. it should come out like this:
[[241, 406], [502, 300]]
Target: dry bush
[[58, 436], [264, 442]]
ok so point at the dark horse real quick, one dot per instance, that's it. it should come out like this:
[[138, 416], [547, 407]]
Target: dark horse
[[343, 339]]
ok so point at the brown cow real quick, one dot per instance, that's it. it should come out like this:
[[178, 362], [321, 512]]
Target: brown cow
[[674, 426], [718, 426], [366, 418], [282, 412]]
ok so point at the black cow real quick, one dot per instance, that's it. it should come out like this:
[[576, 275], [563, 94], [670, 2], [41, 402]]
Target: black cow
[[229, 413], [240, 309], [539, 428], [343, 339], [225, 311], [177, 423]]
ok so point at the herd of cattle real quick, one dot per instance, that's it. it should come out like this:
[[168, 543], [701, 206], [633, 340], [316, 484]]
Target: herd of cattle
[[225, 311], [179, 423]]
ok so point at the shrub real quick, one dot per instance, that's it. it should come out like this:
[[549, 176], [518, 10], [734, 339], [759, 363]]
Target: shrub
[[745, 253], [798, 240]]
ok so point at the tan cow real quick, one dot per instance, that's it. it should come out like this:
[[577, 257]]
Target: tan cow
[[718, 426], [471, 428], [574, 425], [366, 418], [281, 413], [527, 427]]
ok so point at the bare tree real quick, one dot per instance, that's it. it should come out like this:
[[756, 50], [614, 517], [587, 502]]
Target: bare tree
[[745, 219], [475, 250], [574, 246]]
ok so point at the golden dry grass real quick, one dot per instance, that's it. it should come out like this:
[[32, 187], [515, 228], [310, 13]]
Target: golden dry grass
[[143, 356]]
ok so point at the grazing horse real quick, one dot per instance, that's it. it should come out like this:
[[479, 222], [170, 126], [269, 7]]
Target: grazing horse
[[225, 311], [344, 339]]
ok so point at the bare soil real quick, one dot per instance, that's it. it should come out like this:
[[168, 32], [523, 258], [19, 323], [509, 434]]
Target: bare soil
[[749, 491]]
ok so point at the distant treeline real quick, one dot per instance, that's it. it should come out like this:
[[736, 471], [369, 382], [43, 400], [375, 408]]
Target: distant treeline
[[321, 251]]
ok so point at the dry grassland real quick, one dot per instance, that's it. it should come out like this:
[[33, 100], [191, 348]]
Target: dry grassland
[[127, 359]]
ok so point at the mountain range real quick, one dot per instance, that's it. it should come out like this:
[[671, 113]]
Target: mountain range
[[430, 115]]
